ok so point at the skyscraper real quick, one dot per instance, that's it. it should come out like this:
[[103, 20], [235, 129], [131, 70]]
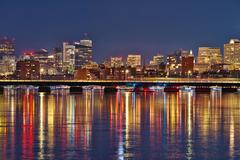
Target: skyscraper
[[7, 46], [58, 55], [116, 62], [232, 53], [209, 56], [157, 60], [134, 60], [68, 57], [176, 62], [7, 56], [187, 64], [83, 52]]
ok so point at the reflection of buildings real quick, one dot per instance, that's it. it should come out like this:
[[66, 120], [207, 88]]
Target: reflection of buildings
[[119, 122]]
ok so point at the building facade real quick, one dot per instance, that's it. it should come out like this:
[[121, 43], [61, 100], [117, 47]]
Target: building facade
[[7, 46], [157, 60], [232, 54], [68, 57], [116, 62], [83, 53], [134, 60], [209, 56], [27, 70]]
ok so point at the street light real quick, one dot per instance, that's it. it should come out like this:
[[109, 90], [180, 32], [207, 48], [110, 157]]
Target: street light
[[126, 75]]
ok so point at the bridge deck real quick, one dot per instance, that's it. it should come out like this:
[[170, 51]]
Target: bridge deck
[[148, 81]]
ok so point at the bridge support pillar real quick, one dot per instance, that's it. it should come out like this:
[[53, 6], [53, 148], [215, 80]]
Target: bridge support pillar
[[1, 89], [110, 89], [44, 89], [202, 89], [229, 89], [76, 89], [171, 89]]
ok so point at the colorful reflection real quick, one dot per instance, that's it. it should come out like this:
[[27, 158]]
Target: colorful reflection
[[122, 125]]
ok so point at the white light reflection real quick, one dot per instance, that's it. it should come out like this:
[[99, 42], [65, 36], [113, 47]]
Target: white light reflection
[[231, 137], [41, 127], [189, 127]]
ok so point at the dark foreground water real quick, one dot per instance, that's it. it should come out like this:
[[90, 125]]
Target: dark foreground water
[[121, 125]]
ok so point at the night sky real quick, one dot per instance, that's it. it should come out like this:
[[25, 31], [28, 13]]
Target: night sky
[[118, 27]]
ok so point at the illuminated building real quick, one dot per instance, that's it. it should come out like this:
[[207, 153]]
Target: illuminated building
[[116, 62], [209, 56], [232, 54], [180, 63], [68, 57], [7, 64], [107, 63], [156, 67], [7, 46], [187, 64], [27, 69], [83, 52], [134, 60], [58, 55], [47, 61], [174, 64], [157, 60]]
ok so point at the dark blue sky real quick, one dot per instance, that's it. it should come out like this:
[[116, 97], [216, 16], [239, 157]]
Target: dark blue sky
[[121, 26]]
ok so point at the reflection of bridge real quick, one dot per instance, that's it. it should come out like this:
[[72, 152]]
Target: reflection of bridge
[[170, 84]]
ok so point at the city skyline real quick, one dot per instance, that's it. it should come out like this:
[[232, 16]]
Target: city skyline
[[137, 27]]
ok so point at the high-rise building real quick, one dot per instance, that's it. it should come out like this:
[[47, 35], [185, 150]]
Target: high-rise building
[[7, 64], [180, 63], [68, 57], [174, 63], [209, 56], [187, 61], [58, 55], [27, 69], [83, 52], [134, 60], [7, 46], [157, 60], [116, 62], [232, 53]]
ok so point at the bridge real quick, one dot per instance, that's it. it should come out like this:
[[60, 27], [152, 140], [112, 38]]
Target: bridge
[[169, 84], [233, 82]]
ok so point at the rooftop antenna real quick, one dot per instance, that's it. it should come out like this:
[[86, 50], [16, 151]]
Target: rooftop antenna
[[85, 35]]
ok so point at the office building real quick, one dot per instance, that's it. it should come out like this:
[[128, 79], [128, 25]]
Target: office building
[[27, 70], [116, 62], [157, 60], [187, 64], [209, 56], [7, 64], [58, 56], [83, 52], [134, 60], [68, 57], [7, 46], [232, 54]]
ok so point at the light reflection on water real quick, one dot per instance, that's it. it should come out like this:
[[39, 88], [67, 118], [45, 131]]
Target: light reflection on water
[[120, 125]]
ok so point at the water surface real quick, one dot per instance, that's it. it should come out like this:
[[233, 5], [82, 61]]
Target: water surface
[[122, 125]]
